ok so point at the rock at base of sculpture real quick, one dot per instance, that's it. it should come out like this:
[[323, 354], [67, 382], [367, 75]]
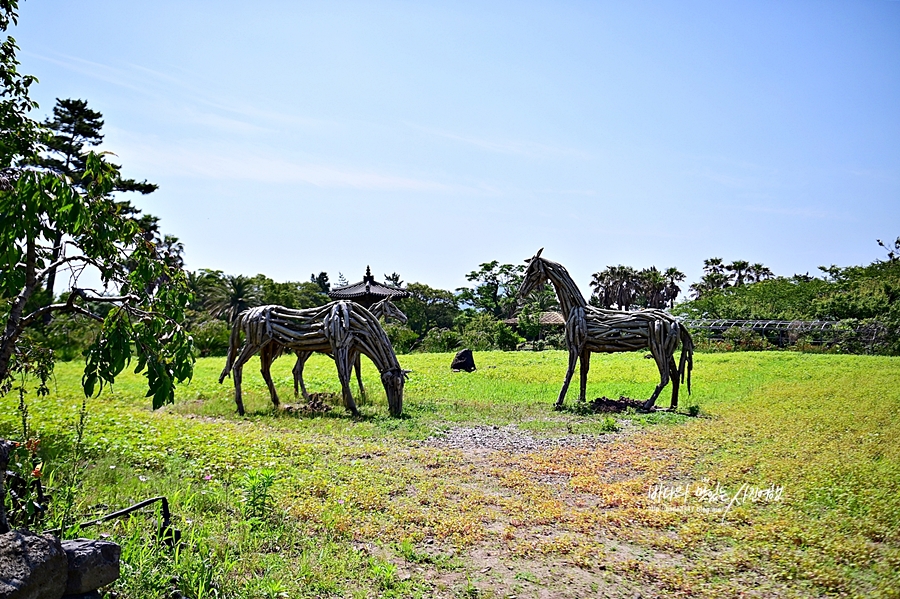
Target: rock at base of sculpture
[[463, 361], [92, 564], [31, 566]]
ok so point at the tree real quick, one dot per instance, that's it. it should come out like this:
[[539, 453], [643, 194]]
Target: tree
[[496, 288], [233, 295], [673, 277], [296, 295], [73, 127], [739, 270], [393, 280], [893, 253], [713, 278], [321, 280], [759, 272], [427, 307], [615, 285], [651, 284], [36, 206]]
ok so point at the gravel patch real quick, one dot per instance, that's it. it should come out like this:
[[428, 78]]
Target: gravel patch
[[508, 438]]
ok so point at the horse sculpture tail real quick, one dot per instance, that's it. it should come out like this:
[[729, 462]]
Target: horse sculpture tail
[[687, 355], [233, 346]]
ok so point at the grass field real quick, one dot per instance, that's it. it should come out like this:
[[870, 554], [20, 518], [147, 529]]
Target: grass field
[[792, 474]]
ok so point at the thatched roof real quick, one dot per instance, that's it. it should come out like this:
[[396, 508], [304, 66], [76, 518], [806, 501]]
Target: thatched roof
[[547, 318]]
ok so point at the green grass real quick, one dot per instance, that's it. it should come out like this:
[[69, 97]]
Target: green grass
[[359, 507]]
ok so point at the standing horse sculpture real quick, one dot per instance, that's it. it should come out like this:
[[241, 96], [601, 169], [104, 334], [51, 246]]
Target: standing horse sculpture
[[342, 329], [590, 329], [382, 310]]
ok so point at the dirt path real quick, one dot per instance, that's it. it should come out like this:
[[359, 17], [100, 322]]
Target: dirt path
[[562, 517]]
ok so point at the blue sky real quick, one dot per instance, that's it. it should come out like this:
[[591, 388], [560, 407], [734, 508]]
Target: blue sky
[[425, 138]]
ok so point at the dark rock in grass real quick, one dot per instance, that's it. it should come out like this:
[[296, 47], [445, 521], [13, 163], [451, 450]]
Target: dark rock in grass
[[605, 404], [92, 564], [31, 566], [463, 361]]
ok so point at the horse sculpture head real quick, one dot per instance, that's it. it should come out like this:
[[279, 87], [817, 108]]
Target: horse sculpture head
[[393, 381], [392, 312], [535, 274]]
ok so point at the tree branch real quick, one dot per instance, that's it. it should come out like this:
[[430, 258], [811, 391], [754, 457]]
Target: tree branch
[[52, 267], [67, 307]]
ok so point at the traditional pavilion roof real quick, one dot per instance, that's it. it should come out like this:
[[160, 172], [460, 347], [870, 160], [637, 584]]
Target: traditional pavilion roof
[[366, 292]]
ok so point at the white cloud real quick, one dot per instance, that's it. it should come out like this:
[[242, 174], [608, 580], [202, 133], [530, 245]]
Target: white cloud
[[520, 148], [241, 164]]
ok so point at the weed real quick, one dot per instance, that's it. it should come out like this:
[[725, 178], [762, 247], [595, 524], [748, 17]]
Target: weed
[[257, 498]]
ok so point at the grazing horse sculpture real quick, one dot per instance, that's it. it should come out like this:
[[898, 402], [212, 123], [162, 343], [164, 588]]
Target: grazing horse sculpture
[[383, 310], [342, 329], [590, 329]]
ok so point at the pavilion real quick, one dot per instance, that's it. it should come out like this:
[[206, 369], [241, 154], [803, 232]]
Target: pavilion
[[367, 292]]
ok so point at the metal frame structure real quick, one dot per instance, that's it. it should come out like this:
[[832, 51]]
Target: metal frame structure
[[785, 332]]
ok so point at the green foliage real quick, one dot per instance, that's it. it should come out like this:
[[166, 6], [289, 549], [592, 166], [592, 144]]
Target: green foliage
[[427, 307], [775, 299], [440, 340], [296, 295], [495, 290], [211, 337], [402, 338], [232, 295], [855, 295], [717, 275], [483, 332], [39, 206], [257, 494], [529, 323]]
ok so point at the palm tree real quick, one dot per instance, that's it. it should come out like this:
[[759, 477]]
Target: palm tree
[[201, 284], [653, 287], [542, 300], [739, 270], [760, 272], [232, 296], [673, 277], [601, 284]]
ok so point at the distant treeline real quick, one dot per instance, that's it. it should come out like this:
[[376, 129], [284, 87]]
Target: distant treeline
[[488, 314]]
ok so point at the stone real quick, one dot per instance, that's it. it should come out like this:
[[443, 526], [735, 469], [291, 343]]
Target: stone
[[31, 566], [92, 564], [463, 361]]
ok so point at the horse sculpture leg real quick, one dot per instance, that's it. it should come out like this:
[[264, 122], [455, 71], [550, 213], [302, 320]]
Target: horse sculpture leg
[[676, 382], [238, 372], [342, 360], [302, 357], [357, 365], [663, 381], [585, 367], [573, 357], [266, 356]]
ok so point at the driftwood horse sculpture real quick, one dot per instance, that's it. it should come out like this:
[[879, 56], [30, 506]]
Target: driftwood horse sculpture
[[590, 329], [382, 310], [342, 329]]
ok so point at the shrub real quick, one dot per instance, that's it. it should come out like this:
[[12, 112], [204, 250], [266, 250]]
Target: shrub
[[211, 337], [401, 336], [441, 340]]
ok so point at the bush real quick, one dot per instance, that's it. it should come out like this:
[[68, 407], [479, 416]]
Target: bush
[[441, 340], [401, 336], [211, 338], [483, 332]]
